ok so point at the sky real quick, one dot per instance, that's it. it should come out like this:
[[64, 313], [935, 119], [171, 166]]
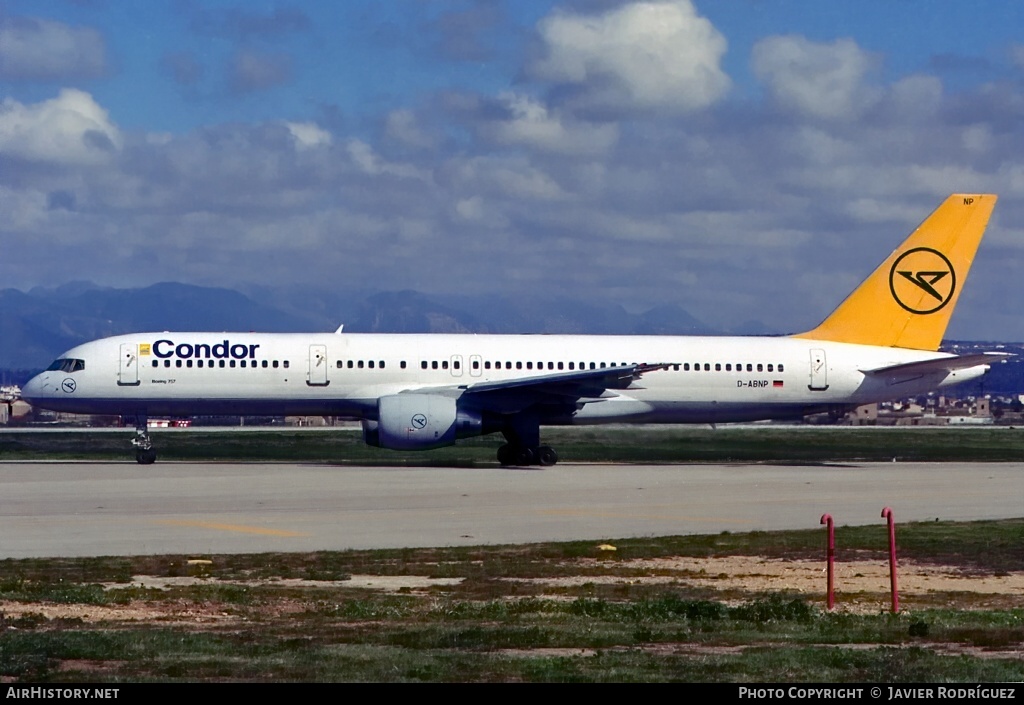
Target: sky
[[748, 160]]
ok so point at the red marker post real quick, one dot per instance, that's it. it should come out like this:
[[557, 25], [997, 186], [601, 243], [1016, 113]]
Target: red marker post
[[887, 514], [831, 555]]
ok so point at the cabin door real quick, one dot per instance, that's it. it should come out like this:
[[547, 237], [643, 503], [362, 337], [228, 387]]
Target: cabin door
[[128, 367], [456, 365], [317, 376], [819, 371]]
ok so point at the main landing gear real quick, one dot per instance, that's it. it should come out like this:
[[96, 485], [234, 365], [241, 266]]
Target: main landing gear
[[145, 453], [512, 454], [523, 448]]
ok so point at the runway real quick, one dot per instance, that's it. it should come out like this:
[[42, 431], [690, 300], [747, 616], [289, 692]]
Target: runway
[[95, 509]]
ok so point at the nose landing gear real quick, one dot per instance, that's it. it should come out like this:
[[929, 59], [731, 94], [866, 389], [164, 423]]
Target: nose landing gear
[[145, 453]]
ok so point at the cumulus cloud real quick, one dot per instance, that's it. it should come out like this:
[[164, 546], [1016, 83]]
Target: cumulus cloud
[[250, 71], [528, 122], [308, 135], [35, 49], [822, 80], [403, 127], [640, 56], [69, 129], [505, 178], [369, 162]]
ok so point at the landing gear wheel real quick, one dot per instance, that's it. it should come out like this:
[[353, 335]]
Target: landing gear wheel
[[145, 457], [505, 455], [524, 456], [546, 456]]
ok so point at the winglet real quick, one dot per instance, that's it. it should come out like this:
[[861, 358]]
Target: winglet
[[907, 301]]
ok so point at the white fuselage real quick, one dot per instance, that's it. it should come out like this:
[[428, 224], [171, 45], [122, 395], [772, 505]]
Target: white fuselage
[[710, 380]]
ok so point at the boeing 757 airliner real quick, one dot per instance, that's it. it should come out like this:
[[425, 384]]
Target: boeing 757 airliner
[[416, 392]]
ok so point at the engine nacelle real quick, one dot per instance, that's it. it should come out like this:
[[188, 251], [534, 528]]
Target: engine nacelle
[[420, 422]]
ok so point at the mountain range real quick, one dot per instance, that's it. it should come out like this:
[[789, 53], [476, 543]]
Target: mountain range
[[37, 325]]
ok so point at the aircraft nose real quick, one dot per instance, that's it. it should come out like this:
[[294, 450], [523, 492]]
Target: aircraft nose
[[36, 388]]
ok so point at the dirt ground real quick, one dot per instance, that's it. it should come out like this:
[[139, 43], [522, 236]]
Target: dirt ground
[[861, 587]]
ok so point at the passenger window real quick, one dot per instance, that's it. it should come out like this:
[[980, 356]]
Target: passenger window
[[340, 365], [380, 364], [718, 367], [370, 364], [264, 364], [529, 365], [286, 364], [433, 364], [457, 364], [560, 366], [728, 367], [760, 367], [770, 367], [444, 364], [177, 363], [487, 365], [156, 363], [423, 364], [750, 368], [519, 365], [242, 363], [188, 363], [780, 368], [686, 367], [402, 364], [359, 364], [232, 363]]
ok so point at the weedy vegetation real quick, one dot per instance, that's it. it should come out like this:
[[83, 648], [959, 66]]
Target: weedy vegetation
[[547, 612]]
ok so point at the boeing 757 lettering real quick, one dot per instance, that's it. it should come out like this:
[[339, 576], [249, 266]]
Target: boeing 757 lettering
[[416, 392]]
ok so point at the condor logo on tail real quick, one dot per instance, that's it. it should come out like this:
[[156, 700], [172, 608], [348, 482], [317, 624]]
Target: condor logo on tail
[[922, 280]]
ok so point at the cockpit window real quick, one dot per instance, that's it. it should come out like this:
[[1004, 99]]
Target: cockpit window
[[66, 364]]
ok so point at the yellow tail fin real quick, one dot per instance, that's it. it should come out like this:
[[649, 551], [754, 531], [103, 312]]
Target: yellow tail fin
[[907, 301]]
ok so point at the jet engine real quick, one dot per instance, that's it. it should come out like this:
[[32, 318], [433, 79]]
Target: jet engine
[[420, 422]]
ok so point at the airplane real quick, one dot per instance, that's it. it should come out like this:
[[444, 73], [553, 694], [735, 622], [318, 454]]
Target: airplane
[[418, 392]]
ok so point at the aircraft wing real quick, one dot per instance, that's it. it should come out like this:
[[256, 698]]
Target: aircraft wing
[[939, 364], [509, 396]]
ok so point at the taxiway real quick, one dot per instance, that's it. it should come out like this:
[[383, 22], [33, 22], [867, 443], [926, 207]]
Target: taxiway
[[99, 508]]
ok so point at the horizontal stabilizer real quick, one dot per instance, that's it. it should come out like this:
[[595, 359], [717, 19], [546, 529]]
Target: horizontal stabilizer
[[940, 364]]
